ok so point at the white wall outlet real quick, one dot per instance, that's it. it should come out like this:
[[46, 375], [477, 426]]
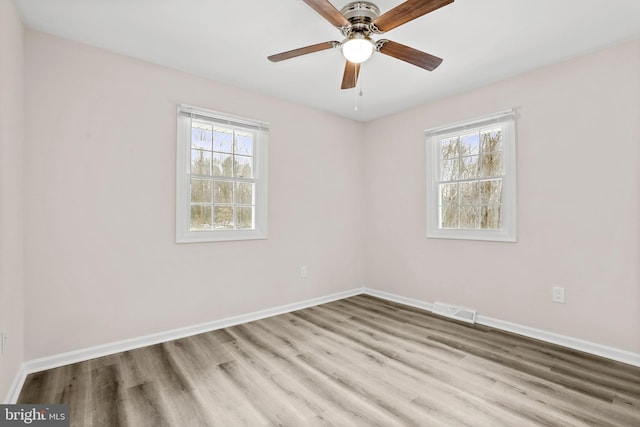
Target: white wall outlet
[[304, 272], [4, 342], [558, 294]]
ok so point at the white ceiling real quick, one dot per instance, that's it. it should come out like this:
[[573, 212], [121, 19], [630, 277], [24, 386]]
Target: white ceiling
[[481, 41]]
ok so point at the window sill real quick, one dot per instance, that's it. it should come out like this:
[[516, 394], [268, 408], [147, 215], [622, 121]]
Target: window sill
[[482, 235], [220, 236]]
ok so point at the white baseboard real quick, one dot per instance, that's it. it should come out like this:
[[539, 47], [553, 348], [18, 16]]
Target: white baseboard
[[550, 337], [399, 299], [563, 340], [16, 385], [75, 356], [81, 355]]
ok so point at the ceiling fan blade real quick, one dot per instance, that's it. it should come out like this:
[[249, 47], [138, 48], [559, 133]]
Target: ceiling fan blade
[[302, 51], [328, 12], [350, 76], [410, 55], [407, 11]]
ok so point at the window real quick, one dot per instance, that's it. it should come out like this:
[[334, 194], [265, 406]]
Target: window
[[221, 183], [471, 179]]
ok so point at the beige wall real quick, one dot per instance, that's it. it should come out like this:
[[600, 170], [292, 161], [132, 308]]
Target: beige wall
[[578, 138], [11, 98], [101, 260]]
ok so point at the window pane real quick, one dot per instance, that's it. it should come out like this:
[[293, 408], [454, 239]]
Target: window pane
[[222, 140], [449, 148], [491, 192], [491, 140], [201, 190], [491, 217], [448, 194], [469, 194], [200, 162], [244, 143], [468, 167], [244, 193], [223, 217], [244, 217], [223, 192], [449, 170], [469, 144], [201, 135], [492, 164], [200, 218], [222, 165], [449, 216], [469, 217], [244, 167]]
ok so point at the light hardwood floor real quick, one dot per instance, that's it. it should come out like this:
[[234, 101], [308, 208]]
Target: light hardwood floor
[[360, 361]]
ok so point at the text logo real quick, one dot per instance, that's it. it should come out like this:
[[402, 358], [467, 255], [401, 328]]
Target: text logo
[[34, 415]]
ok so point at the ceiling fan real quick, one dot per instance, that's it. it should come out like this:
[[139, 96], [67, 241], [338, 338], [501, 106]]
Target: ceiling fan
[[357, 21]]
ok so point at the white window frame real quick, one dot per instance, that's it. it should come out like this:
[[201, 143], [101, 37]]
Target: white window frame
[[508, 231], [184, 234]]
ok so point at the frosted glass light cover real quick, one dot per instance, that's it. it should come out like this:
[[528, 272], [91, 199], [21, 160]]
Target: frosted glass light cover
[[357, 50]]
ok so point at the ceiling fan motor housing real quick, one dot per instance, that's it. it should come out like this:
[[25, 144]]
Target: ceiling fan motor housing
[[361, 15]]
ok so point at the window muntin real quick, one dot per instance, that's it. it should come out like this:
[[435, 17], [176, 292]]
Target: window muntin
[[222, 184], [471, 181], [471, 174], [221, 177]]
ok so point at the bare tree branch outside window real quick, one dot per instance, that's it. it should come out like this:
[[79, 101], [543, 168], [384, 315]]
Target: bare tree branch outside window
[[222, 190], [471, 173]]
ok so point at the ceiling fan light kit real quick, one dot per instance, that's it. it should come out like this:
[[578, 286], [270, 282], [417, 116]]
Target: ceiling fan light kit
[[357, 21], [357, 48]]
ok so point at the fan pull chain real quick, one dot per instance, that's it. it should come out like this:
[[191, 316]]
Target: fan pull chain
[[357, 92], [355, 108]]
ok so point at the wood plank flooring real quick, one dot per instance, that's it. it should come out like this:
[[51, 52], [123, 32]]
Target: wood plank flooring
[[360, 361]]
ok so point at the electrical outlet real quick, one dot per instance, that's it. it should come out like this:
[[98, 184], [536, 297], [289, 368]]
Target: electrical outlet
[[558, 294], [303, 271], [4, 342]]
